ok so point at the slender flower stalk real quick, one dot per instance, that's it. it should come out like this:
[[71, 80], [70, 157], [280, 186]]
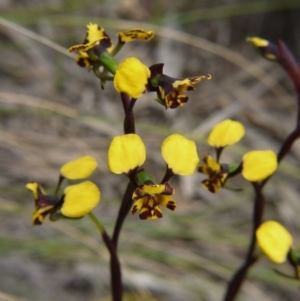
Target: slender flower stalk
[[115, 267], [240, 275]]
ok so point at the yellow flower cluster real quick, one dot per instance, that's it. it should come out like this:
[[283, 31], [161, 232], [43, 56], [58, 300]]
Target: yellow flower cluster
[[256, 165], [77, 200], [127, 153]]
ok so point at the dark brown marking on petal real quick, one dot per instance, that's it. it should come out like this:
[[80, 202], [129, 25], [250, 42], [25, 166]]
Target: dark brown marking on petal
[[169, 190], [134, 209], [83, 62], [138, 193], [171, 205], [209, 185], [145, 214], [176, 100], [157, 213], [185, 87], [106, 42]]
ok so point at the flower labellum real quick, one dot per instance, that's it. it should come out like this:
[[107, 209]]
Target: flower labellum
[[274, 241]]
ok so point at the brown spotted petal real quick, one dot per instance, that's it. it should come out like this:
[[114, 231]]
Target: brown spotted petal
[[169, 190], [166, 201], [183, 85], [40, 214], [152, 189], [94, 33], [148, 207], [149, 197], [44, 204], [174, 100], [83, 47], [213, 183], [83, 60], [135, 34], [97, 40], [187, 84], [216, 173]]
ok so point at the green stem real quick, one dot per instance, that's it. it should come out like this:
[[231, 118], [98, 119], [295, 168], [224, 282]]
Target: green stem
[[96, 222], [117, 48]]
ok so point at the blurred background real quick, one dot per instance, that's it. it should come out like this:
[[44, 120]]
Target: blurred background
[[53, 111]]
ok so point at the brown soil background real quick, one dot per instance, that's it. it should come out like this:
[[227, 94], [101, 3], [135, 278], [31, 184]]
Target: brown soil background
[[52, 111]]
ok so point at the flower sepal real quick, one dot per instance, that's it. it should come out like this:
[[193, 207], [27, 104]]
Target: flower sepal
[[233, 169], [169, 90], [134, 34]]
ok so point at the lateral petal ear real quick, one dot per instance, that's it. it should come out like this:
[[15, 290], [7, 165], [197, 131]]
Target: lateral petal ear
[[258, 165], [125, 153], [274, 240], [80, 199], [180, 154], [226, 133], [80, 168]]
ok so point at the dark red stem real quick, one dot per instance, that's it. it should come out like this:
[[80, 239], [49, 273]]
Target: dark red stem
[[115, 268], [129, 125], [238, 278]]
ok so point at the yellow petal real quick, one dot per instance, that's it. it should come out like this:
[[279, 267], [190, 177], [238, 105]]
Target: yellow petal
[[137, 206], [166, 201], [225, 133], [79, 169], [262, 45], [131, 77], [135, 34], [153, 189], [186, 84], [258, 42], [83, 60], [94, 33], [34, 187], [40, 214], [80, 199], [258, 165], [83, 47], [274, 241], [125, 153], [180, 154], [212, 164]]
